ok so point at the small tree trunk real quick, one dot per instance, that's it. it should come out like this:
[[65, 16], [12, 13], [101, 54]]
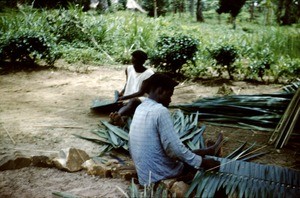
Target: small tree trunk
[[286, 19], [155, 8], [199, 14], [251, 11], [233, 22], [192, 7]]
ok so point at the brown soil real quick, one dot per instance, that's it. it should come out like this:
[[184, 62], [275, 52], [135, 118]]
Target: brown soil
[[40, 110]]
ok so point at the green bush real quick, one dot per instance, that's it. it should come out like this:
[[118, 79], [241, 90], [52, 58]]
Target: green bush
[[225, 56], [288, 68], [172, 52], [27, 48], [67, 26], [263, 60]]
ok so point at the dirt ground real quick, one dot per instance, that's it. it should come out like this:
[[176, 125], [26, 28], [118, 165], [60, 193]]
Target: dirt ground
[[41, 110]]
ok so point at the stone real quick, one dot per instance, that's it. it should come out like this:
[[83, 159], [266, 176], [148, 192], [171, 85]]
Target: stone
[[97, 169], [10, 160], [179, 188], [125, 172], [168, 183], [42, 161], [14, 160], [71, 159]]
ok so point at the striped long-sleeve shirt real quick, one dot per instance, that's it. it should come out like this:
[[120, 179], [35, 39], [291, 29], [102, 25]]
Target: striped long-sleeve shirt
[[155, 147]]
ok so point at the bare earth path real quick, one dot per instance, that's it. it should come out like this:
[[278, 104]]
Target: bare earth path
[[40, 110]]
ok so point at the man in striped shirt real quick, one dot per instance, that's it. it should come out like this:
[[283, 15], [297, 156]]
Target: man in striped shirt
[[155, 147]]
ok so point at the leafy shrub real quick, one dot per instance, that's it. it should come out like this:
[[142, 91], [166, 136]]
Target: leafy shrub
[[172, 52], [289, 68], [200, 71], [258, 68], [263, 61], [225, 56], [27, 48], [67, 26]]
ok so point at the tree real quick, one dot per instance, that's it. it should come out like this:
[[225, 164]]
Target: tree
[[160, 5], [191, 7], [199, 14], [288, 12], [233, 7], [268, 5]]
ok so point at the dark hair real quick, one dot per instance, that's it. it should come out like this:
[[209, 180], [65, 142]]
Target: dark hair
[[160, 80], [140, 54]]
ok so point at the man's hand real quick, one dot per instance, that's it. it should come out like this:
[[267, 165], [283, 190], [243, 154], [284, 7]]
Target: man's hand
[[120, 98], [208, 163]]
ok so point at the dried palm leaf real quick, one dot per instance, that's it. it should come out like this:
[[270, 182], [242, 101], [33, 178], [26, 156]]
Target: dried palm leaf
[[259, 112]]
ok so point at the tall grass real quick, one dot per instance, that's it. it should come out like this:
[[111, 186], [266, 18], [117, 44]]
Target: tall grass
[[109, 38]]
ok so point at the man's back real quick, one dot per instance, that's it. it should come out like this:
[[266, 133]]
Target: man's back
[[153, 142]]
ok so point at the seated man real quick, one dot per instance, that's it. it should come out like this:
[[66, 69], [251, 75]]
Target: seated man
[[135, 75], [144, 89], [155, 147]]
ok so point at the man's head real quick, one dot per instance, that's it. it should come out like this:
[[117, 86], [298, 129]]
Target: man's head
[[161, 88], [139, 57]]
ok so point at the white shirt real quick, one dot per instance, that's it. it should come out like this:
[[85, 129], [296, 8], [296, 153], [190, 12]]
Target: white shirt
[[135, 80]]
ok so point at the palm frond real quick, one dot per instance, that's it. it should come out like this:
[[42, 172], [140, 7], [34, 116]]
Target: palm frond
[[185, 125], [287, 123], [260, 112], [246, 179], [291, 88]]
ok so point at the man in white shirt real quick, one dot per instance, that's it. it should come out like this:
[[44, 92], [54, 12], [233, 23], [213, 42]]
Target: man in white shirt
[[135, 75]]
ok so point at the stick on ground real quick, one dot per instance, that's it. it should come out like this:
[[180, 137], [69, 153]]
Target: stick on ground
[[8, 134]]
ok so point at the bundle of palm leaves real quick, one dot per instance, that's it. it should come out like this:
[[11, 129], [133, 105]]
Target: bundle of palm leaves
[[260, 112]]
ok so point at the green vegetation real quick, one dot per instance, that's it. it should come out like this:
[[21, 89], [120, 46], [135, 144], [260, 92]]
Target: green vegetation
[[171, 52], [270, 52], [225, 57], [27, 49]]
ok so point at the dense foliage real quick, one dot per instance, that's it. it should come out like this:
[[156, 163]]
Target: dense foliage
[[27, 49], [288, 12], [233, 7], [84, 4], [171, 52], [225, 57], [270, 53]]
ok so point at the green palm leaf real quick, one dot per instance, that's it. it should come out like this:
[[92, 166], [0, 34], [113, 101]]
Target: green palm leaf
[[248, 180], [185, 125], [116, 130], [194, 183], [237, 151]]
